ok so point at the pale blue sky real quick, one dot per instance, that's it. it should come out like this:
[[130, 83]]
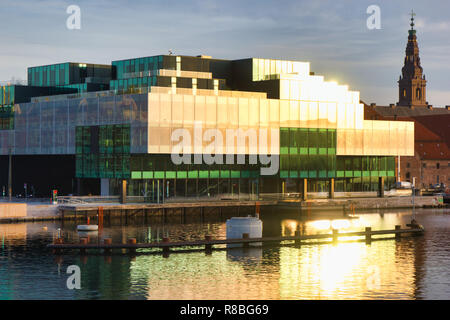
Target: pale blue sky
[[332, 35]]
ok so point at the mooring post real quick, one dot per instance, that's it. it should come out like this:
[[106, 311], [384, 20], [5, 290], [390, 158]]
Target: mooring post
[[368, 234], [83, 241], [100, 218], [305, 190], [381, 187], [297, 235], [107, 242], [132, 242], [166, 250], [245, 236], [123, 192], [331, 190], [397, 234], [208, 246], [335, 235]]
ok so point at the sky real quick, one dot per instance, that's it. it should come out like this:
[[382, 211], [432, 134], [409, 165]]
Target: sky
[[331, 35]]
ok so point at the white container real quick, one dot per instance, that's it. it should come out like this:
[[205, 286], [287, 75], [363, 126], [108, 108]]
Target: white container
[[87, 227], [237, 226]]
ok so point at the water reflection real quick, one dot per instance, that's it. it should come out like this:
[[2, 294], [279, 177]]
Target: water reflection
[[412, 268]]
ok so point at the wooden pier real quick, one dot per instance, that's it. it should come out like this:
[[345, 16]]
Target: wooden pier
[[107, 246]]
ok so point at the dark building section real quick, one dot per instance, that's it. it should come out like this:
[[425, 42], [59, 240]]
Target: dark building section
[[81, 76], [40, 173], [242, 80], [10, 95], [133, 75]]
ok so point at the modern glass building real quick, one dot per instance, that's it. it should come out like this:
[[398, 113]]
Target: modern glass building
[[247, 115]]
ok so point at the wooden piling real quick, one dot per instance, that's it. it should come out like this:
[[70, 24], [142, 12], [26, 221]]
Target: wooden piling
[[107, 241], [245, 236], [297, 234], [368, 235], [398, 235], [166, 250], [132, 241], [208, 246], [335, 235]]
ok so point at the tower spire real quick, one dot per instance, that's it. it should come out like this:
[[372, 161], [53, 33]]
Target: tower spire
[[412, 19], [412, 83]]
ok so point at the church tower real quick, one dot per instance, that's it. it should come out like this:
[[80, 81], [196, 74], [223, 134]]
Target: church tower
[[412, 83]]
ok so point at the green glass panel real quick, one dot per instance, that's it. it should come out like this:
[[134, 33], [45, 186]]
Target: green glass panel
[[293, 174], [235, 174], [366, 173], [159, 174], [340, 174], [303, 150], [203, 174], [303, 174], [254, 174], [391, 173], [245, 174], [322, 150], [136, 175], [312, 174], [312, 150], [224, 173], [181, 174], [357, 173], [284, 150], [331, 151], [171, 174], [284, 174], [192, 174], [293, 150], [374, 173], [382, 174], [349, 173], [214, 174], [322, 173], [331, 174], [147, 174]]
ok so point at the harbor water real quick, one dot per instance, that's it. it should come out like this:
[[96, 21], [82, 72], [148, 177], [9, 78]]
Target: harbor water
[[409, 268]]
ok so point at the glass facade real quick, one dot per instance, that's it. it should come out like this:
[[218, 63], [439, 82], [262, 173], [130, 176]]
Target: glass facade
[[315, 127], [307, 153], [103, 151], [49, 127]]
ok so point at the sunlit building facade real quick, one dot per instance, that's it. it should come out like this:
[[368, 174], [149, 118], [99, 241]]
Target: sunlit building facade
[[309, 129]]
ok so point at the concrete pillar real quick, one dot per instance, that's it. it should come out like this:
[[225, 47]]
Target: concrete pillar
[[305, 189], [123, 191], [104, 187], [381, 187], [331, 191]]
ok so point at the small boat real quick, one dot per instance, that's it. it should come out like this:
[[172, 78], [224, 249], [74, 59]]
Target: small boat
[[87, 227]]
